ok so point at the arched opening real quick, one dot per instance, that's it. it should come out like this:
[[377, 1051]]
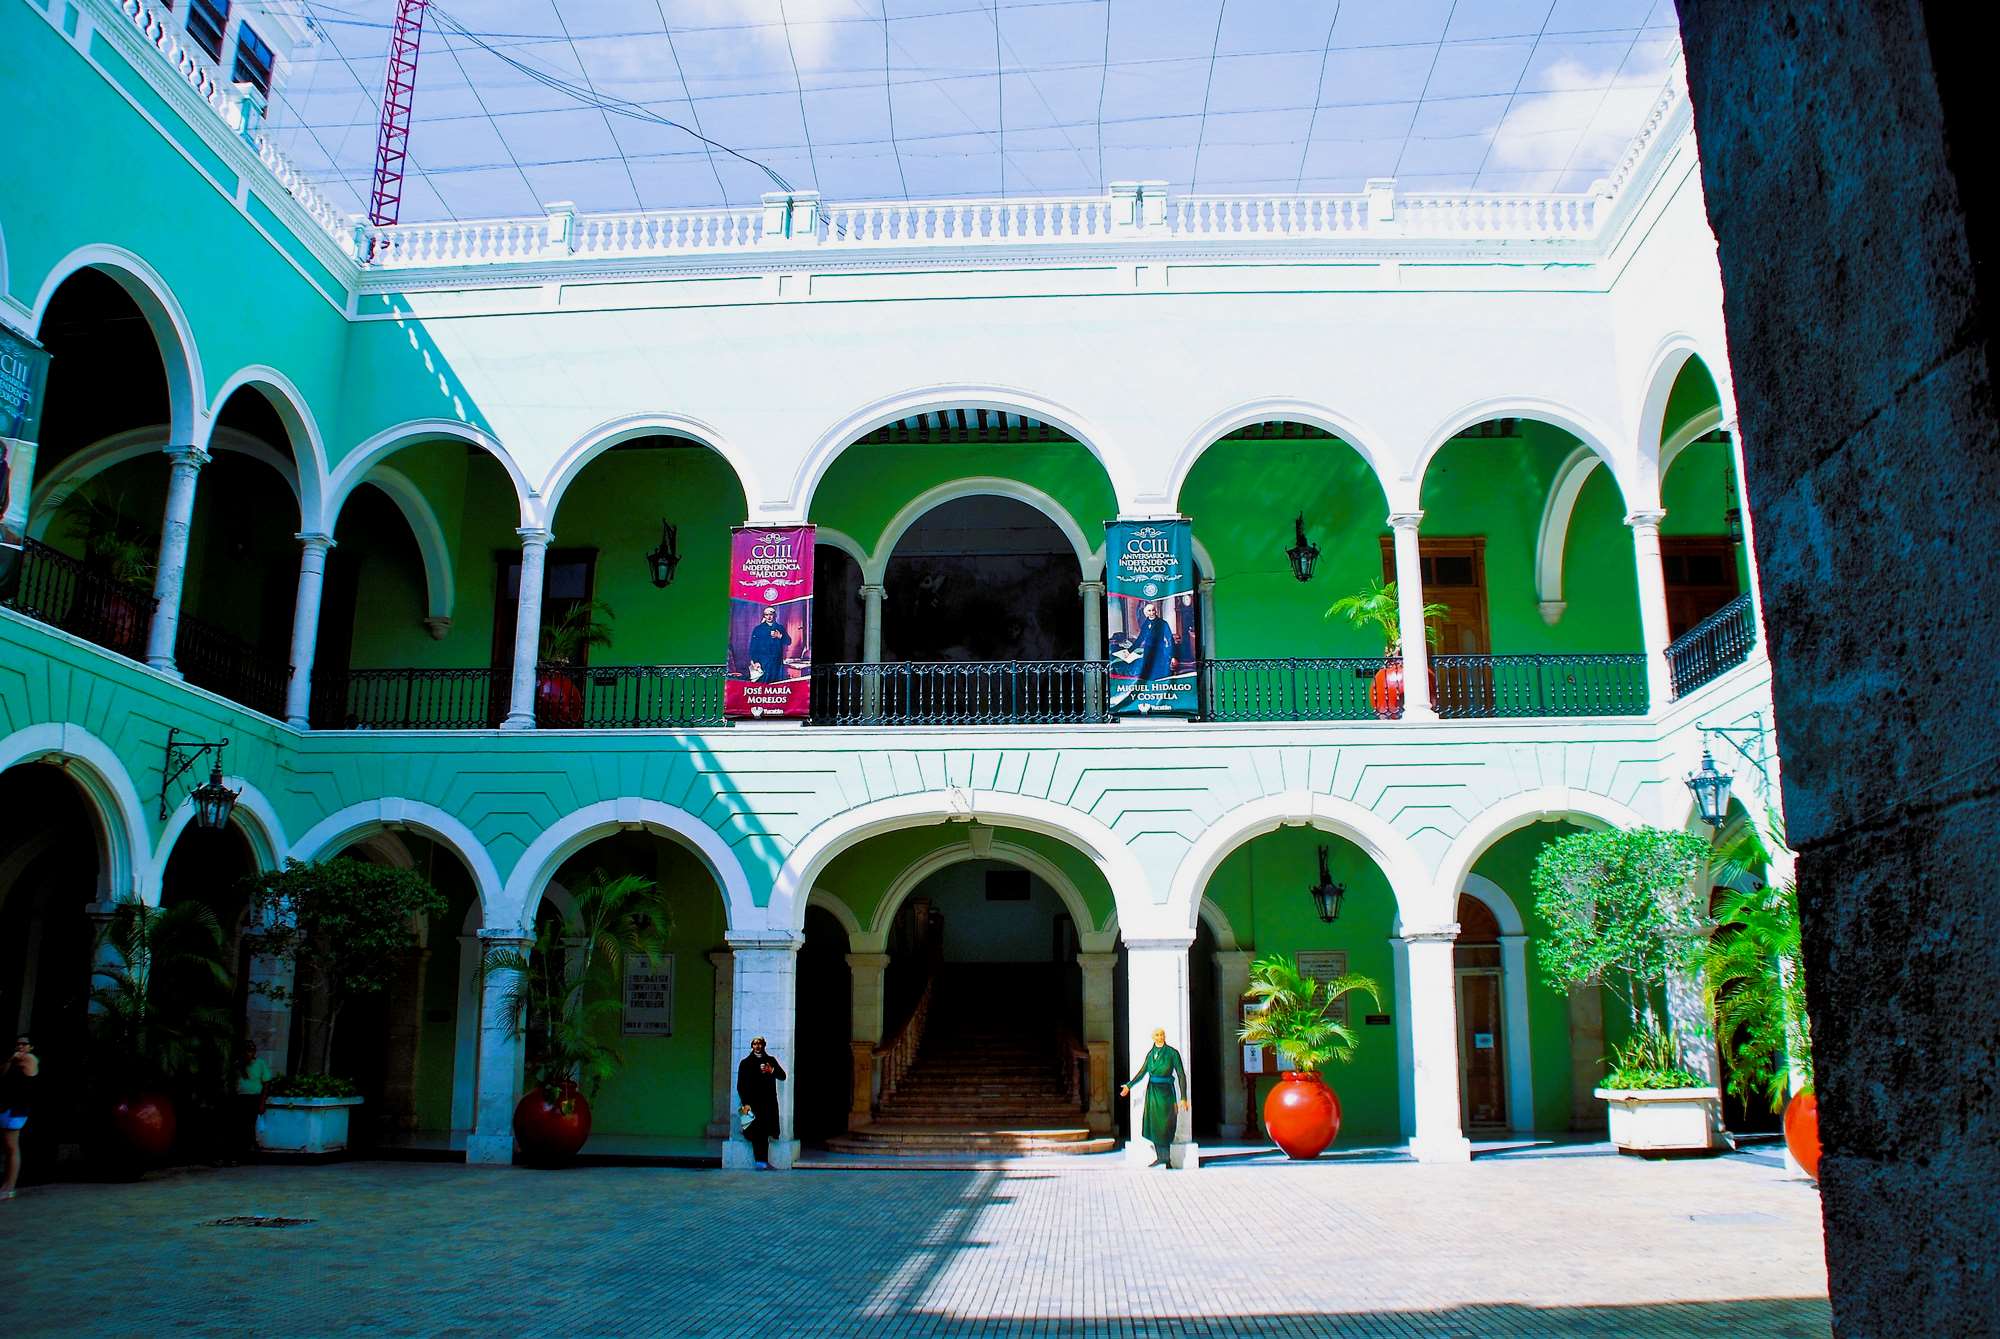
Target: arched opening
[[1703, 558], [1262, 887], [980, 1006], [210, 867], [49, 878], [416, 627], [982, 578], [839, 618], [1270, 641], [1500, 648], [823, 1067]]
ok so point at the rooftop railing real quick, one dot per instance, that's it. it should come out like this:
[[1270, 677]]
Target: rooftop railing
[[1719, 642]]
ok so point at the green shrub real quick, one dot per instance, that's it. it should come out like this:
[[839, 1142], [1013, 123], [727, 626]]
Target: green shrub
[[310, 1085]]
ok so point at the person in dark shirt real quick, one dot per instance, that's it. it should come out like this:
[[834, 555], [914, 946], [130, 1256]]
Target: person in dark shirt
[[16, 1088], [757, 1077]]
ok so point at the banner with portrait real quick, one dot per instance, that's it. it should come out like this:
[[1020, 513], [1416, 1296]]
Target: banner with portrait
[[1152, 625], [24, 371], [769, 673]]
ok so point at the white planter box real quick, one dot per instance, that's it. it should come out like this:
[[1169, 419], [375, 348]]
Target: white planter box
[[305, 1124], [1664, 1120]]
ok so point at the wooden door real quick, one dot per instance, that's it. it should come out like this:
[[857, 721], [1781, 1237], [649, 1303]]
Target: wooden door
[[1454, 575], [1482, 1056], [1700, 572]]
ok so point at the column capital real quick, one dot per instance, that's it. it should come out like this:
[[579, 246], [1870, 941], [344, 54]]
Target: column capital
[[873, 961], [1645, 517], [774, 941], [314, 542], [438, 626], [1431, 934], [1204, 584], [186, 455], [506, 936], [1405, 520], [539, 536], [1234, 957], [1090, 586], [1160, 944], [872, 590], [721, 956]]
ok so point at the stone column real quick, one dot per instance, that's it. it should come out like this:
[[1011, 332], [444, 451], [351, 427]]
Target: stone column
[[722, 1065], [1232, 983], [1205, 601], [502, 1051], [1156, 985], [1586, 1059], [104, 958], [765, 1004], [871, 648], [171, 573], [1652, 606], [527, 629], [1099, 971], [305, 626], [1433, 1010], [1417, 704], [1092, 594], [1520, 1056], [870, 972]]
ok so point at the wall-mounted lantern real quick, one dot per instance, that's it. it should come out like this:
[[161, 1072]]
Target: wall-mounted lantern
[[1326, 894], [1302, 553], [662, 561], [1732, 510], [1710, 786], [213, 801]]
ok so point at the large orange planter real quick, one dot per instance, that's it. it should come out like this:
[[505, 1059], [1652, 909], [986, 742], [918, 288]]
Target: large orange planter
[[1301, 1115], [551, 1135], [1385, 690], [143, 1125], [1802, 1131], [558, 698]]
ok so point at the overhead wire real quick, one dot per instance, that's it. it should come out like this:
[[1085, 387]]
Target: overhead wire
[[638, 200], [1512, 96], [1201, 127], [694, 112], [1319, 92]]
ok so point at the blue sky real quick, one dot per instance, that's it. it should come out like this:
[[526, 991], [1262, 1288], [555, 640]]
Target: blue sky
[[521, 102]]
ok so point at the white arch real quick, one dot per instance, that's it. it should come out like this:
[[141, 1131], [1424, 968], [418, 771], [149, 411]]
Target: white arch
[[365, 457], [1273, 410], [332, 833], [433, 545], [179, 354], [1595, 437], [834, 905], [907, 404], [1072, 827], [1089, 558], [578, 829], [253, 816], [80, 467], [1697, 427], [1219, 928], [1004, 852], [1299, 808], [846, 543], [1547, 803], [308, 448], [629, 427], [121, 821], [1672, 354]]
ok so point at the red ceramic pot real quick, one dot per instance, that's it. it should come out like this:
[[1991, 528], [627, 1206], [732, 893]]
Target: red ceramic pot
[[143, 1125], [1385, 691], [552, 1129], [1802, 1131], [558, 699], [1301, 1115]]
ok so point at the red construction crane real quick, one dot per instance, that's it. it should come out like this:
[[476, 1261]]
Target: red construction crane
[[399, 87]]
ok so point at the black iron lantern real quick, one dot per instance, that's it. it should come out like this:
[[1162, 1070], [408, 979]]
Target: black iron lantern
[[1326, 894], [1302, 553], [1710, 786], [1732, 510], [662, 561], [213, 801]]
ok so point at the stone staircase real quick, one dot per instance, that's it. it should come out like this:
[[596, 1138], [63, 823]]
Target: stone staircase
[[981, 1087]]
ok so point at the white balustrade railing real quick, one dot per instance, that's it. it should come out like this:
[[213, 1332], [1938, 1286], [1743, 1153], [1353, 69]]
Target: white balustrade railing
[[667, 232], [964, 222], [1274, 216], [1499, 217], [473, 242]]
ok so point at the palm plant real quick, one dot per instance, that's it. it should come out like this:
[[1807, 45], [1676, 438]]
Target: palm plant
[[581, 626], [1754, 975], [153, 1016], [113, 542], [570, 976], [1378, 606], [1294, 1013]]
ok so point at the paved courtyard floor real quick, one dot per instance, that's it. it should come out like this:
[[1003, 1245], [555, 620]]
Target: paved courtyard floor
[[1596, 1245]]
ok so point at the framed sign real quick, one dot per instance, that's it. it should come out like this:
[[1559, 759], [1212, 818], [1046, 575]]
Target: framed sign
[[649, 996], [1323, 965]]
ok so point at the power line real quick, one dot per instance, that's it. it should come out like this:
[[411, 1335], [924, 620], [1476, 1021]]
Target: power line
[[694, 113], [1520, 79], [798, 82], [1319, 87], [1423, 96], [638, 200], [1201, 129]]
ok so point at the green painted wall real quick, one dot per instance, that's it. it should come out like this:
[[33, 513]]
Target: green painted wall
[[1261, 887], [437, 1036]]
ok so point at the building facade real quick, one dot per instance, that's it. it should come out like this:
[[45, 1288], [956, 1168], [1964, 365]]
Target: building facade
[[319, 489]]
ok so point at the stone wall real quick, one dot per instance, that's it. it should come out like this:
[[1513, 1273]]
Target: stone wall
[[1844, 146]]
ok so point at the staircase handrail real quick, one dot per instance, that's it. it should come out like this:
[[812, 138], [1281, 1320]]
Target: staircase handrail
[[1071, 1054], [898, 1052]]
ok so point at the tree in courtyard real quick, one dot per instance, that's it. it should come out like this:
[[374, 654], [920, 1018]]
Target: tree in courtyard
[[343, 925]]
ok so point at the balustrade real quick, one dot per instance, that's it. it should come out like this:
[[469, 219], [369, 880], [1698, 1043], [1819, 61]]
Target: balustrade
[[1539, 685], [224, 663], [1719, 642], [1000, 692], [403, 699], [1326, 688], [56, 589]]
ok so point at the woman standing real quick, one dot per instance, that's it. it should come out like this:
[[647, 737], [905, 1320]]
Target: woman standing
[[16, 1082], [1166, 1095]]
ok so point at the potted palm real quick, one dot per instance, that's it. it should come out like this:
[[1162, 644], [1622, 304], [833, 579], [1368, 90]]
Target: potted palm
[[560, 991], [565, 641], [1754, 977], [153, 1022], [1294, 1015], [1377, 607], [113, 608], [1620, 917]]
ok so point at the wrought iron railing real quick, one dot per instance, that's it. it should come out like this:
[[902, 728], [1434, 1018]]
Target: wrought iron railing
[[1327, 688], [54, 588], [1539, 685], [1719, 642], [992, 692], [628, 697], [224, 663], [404, 699]]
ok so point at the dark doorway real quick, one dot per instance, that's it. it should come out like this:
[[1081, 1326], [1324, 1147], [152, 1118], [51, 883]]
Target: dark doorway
[[982, 579]]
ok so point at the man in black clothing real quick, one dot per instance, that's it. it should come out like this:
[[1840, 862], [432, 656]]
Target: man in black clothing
[[757, 1078]]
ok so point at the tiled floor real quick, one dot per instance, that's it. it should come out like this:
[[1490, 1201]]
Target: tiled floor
[[1577, 1244]]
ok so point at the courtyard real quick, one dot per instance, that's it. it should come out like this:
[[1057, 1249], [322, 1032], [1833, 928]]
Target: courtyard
[[1573, 1241]]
